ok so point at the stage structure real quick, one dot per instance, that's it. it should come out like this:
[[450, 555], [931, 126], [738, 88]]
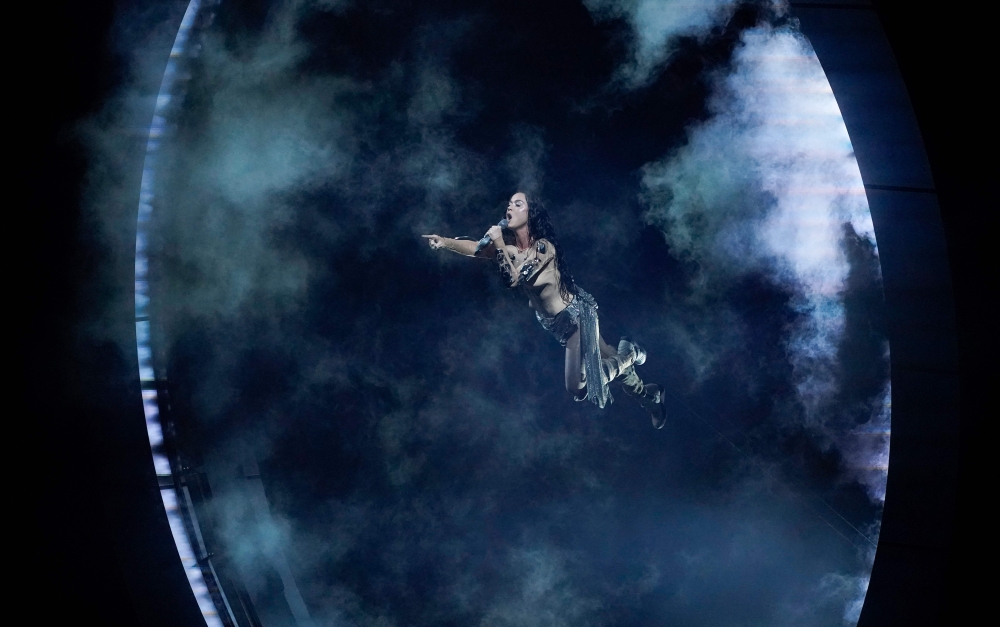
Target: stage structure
[[175, 484]]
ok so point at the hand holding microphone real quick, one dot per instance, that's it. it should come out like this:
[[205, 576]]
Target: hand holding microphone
[[483, 243]]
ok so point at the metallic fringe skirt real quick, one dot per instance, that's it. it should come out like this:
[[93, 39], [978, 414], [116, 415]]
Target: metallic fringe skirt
[[582, 314]]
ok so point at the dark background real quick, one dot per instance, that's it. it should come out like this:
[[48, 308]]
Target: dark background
[[70, 72]]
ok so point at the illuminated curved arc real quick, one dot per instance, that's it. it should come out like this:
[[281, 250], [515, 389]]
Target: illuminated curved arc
[[147, 375]]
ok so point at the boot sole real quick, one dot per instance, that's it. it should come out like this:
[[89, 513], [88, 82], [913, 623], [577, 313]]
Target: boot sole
[[660, 417]]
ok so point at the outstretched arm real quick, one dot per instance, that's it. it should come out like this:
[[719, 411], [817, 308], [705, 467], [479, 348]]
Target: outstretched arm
[[461, 246]]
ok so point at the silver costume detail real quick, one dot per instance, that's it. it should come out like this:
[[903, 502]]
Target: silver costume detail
[[582, 313]]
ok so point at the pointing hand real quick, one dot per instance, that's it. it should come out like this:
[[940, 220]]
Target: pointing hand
[[436, 242]]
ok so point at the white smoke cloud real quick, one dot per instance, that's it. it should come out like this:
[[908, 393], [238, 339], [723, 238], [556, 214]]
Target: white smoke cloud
[[848, 591], [272, 134], [767, 184], [267, 133], [657, 24], [777, 132], [866, 449], [525, 163], [543, 595]]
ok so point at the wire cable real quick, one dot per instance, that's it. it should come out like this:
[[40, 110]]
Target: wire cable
[[761, 467], [772, 477]]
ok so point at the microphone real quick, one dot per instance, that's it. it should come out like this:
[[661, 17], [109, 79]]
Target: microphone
[[483, 243]]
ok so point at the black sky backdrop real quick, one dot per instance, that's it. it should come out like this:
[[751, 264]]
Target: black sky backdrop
[[557, 502]]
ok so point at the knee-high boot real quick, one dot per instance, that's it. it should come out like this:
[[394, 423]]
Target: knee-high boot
[[650, 396], [628, 354]]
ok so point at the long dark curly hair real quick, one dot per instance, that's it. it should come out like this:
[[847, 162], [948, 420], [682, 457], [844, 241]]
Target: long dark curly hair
[[540, 227]]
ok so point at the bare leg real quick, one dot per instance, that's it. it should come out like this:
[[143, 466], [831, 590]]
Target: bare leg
[[574, 367]]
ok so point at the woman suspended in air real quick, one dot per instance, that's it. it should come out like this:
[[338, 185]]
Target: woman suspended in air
[[528, 258]]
